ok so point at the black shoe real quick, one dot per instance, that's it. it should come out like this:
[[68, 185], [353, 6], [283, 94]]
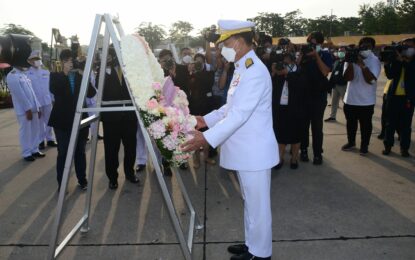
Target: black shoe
[[42, 146], [405, 153], [249, 256], [294, 165], [38, 155], [140, 167], [381, 136], [318, 160], [330, 119], [364, 150], [29, 158], [387, 150], [348, 147], [52, 144], [83, 185], [238, 249], [304, 156], [113, 185], [132, 178], [279, 165]]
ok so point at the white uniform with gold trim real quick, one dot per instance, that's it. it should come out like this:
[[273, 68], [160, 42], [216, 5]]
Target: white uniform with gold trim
[[243, 129]]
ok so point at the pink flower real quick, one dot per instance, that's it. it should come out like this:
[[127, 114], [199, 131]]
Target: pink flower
[[157, 129], [156, 86], [152, 104]]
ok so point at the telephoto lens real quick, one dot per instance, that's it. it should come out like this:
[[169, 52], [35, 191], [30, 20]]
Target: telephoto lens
[[15, 49]]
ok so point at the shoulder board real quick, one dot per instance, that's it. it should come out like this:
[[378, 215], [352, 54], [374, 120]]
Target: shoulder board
[[248, 63]]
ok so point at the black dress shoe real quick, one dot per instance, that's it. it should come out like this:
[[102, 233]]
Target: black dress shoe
[[387, 150], [249, 256], [38, 155], [238, 249], [140, 167], [318, 160], [405, 153], [29, 158], [132, 178], [52, 144], [279, 165], [113, 185], [42, 146], [304, 156], [294, 165]]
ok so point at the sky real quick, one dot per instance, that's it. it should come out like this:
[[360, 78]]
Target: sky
[[77, 17]]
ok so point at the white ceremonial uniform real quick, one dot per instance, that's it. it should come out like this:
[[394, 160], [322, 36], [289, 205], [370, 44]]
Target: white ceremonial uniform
[[243, 128], [40, 84], [24, 99]]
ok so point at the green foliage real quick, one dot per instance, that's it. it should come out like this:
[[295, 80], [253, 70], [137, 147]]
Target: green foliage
[[379, 19], [15, 29], [270, 23], [180, 30], [406, 12], [153, 34]]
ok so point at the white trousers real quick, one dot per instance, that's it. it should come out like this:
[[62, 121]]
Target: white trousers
[[141, 150], [45, 131], [255, 189], [29, 134]]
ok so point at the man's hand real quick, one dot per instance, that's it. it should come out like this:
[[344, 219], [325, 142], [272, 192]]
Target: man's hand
[[29, 115], [200, 122], [195, 143]]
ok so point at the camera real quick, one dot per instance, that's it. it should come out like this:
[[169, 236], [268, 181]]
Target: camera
[[75, 49], [211, 35], [352, 54], [15, 49], [389, 53], [277, 58]]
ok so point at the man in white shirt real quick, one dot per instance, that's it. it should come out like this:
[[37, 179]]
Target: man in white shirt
[[244, 130], [40, 83], [360, 97]]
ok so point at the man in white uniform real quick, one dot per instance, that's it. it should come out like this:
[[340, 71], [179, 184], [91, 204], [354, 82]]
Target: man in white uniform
[[40, 84], [28, 113], [243, 129]]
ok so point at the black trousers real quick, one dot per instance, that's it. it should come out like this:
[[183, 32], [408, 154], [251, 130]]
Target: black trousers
[[383, 116], [63, 138], [399, 115], [363, 116], [116, 132], [314, 114]]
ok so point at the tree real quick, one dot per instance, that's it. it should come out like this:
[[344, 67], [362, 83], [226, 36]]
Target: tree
[[153, 34], [349, 24], [16, 29], [179, 31], [379, 19], [327, 24], [294, 24], [406, 12], [270, 23]]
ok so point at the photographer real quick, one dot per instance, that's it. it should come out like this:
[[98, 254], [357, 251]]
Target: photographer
[[288, 106], [400, 97], [337, 83], [316, 65], [361, 72], [179, 73], [65, 87]]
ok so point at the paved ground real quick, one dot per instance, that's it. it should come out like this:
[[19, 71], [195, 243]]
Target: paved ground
[[352, 207]]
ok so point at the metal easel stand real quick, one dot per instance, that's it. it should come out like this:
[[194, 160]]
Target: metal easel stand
[[112, 27]]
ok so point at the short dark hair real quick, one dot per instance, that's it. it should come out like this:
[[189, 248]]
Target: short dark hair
[[164, 53], [65, 55], [318, 36], [267, 38], [248, 37], [201, 56], [369, 40]]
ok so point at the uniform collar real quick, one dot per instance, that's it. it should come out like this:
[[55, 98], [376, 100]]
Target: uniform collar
[[240, 64]]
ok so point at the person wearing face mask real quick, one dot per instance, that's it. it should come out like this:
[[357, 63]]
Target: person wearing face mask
[[186, 56], [360, 97], [316, 65], [65, 87], [288, 107], [400, 98], [27, 109], [118, 127], [40, 83], [338, 82], [243, 128]]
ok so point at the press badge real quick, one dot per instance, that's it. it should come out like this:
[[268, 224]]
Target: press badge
[[284, 94]]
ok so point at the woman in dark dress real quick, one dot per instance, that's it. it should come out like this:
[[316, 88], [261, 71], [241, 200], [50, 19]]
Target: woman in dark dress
[[288, 109]]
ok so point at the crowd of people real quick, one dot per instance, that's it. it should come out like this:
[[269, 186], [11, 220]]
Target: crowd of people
[[302, 77]]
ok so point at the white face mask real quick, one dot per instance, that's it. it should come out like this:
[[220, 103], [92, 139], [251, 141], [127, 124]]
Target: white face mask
[[37, 63], [365, 53], [318, 48], [268, 50], [229, 53], [187, 59], [341, 54], [409, 52]]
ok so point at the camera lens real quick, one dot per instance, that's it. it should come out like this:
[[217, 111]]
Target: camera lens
[[15, 49]]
